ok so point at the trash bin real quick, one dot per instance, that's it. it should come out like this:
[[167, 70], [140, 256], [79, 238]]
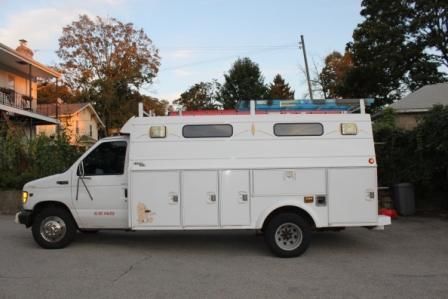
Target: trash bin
[[404, 201]]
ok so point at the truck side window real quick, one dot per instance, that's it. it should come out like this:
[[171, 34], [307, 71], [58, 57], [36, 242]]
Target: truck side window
[[107, 159], [207, 131], [298, 129]]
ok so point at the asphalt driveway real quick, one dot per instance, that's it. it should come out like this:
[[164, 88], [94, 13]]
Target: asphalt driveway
[[408, 259]]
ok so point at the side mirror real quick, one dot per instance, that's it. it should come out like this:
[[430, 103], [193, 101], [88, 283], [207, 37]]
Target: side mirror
[[80, 171]]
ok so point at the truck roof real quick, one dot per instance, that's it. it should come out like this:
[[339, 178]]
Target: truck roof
[[234, 119]]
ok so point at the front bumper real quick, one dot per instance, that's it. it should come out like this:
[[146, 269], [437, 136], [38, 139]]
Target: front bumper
[[24, 217]]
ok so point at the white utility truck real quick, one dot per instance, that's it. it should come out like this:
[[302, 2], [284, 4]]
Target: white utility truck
[[285, 175]]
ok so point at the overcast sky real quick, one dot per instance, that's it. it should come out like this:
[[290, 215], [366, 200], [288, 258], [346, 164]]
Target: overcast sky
[[199, 39]]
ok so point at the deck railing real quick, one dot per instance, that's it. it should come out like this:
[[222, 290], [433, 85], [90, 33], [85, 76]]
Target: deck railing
[[14, 99]]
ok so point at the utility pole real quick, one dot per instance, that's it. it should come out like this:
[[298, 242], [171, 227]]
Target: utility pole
[[302, 46]]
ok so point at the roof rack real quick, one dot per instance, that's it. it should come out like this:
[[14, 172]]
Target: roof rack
[[310, 106], [300, 106]]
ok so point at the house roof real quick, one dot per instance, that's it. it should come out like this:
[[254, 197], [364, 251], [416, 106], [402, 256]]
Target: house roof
[[423, 99], [67, 109], [15, 60], [64, 109]]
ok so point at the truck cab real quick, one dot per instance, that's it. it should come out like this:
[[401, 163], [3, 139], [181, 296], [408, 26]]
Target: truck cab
[[90, 195]]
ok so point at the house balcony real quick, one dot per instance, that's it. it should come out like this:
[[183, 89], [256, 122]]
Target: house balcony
[[11, 98], [24, 71], [19, 106]]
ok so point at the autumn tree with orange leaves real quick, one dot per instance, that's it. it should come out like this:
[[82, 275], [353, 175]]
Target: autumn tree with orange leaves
[[334, 74], [107, 61]]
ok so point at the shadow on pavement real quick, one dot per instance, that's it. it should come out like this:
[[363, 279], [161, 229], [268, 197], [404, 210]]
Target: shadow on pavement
[[218, 242]]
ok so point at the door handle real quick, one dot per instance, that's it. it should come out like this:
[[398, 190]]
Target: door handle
[[244, 197], [174, 198], [86, 178], [212, 197]]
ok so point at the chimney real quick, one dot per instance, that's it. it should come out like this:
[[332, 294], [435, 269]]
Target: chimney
[[24, 50]]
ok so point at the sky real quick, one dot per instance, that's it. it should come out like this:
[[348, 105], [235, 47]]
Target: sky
[[199, 40]]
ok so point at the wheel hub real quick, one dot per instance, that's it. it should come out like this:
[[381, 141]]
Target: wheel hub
[[288, 236], [53, 229]]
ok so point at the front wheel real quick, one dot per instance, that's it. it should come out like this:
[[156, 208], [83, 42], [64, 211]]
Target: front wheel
[[53, 228], [288, 235]]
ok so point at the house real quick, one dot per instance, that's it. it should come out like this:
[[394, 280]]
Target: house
[[79, 120], [18, 89], [412, 107]]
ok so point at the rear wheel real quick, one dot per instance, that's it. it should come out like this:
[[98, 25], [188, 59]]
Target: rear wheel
[[53, 228], [288, 235]]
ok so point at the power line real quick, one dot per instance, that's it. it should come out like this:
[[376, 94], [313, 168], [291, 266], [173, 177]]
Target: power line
[[207, 48], [226, 47], [222, 58], [248, 50]]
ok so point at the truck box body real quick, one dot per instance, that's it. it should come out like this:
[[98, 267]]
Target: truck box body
[[271, 170]]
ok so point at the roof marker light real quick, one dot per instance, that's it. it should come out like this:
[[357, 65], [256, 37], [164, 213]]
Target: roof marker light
[[349, 129]]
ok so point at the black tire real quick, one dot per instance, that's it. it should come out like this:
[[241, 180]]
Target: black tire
[[294, 235], [54, 216]]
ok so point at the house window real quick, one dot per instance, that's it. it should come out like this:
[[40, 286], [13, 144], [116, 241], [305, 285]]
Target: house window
[[298, 129], [77, 127], [207, 131], [90, 131]]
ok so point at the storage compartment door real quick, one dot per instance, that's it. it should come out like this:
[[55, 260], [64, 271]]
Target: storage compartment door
[[235, 197], [352, 196], [289, 182], [155, 200], [200, 198]]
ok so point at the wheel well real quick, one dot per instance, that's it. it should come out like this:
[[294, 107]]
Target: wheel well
[[290, 209], [53, 204]]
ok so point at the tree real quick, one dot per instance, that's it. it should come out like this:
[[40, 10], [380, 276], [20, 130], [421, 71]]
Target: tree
[[279, 89], [158, 107], [429, 25], [200, 96], [49, 92], [130, 107], [244, 81], [432, 147], [389, 56], [334, 75], [106, 60]]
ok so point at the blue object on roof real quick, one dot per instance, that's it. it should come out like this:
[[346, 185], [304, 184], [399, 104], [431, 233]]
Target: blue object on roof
[[306, 105]]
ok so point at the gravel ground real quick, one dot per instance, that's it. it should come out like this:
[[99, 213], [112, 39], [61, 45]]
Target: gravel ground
[[408, 259]]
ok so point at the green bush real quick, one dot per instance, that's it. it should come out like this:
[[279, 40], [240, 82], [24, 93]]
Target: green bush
[[22, 160], [432, 149], [419, 156]]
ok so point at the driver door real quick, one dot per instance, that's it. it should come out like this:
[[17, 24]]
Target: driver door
[[100, 186]]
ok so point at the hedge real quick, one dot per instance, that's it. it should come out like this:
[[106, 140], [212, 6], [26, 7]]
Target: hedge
[[22, 159]]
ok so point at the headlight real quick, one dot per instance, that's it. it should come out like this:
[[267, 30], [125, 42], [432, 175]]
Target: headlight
[[24, 197]]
